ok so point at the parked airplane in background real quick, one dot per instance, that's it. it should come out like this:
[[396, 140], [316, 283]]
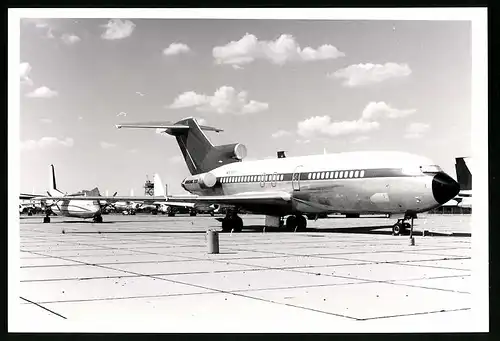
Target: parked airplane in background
[[396, 183], [81, 206], [463, 167]]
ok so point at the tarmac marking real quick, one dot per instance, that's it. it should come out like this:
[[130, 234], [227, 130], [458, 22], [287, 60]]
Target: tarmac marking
[[413, 314], [38, 305]]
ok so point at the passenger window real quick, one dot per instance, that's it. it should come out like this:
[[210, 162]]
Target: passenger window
[[330, 175], [362, 173], [322, 175], [309, 176], [341, 174], [336, 175], [282, 177], [356, 174], [351, 174]]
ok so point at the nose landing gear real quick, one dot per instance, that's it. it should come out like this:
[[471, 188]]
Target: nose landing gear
[[97, 219], [402, 227]]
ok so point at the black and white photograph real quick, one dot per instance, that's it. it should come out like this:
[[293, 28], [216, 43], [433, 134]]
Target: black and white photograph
[[248, 170]]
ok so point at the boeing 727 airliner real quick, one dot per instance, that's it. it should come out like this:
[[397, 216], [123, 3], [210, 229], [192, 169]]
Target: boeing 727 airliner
[[353, 183]]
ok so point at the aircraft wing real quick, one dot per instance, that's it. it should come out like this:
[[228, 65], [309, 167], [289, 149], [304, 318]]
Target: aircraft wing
[[172, 203], [240, 199]]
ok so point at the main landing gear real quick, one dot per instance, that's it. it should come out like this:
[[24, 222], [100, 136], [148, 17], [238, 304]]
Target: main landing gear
[[97, 219], [402, 227], [296, 223], [232, 222], [46, 219]]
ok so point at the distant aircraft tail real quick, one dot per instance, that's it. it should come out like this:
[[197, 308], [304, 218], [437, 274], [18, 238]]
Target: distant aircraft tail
[[199, 153], [53, 191], [464, 175], [159, 190]]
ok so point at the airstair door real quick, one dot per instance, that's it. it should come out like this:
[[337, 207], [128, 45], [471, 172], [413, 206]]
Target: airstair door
[[296, 178]]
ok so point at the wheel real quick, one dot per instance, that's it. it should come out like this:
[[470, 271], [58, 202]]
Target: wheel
[[311, 216], [171, 214], [192, 213], [212, 213], [30, 213], [301, 222], [291, 222], [46, 220], [98, 219], [396, 229], [237, 224], [154, 212], [352, 215], [227, 225]]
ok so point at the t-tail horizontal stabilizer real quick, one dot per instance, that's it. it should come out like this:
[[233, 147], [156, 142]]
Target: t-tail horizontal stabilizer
[[199, 153]]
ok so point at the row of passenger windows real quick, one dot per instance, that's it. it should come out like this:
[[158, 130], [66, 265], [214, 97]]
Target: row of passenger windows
[[336, 175], [280, 177], [253, 178]]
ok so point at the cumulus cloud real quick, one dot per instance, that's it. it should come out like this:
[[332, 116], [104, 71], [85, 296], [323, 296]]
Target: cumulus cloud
[[323, 125], [280, 51], [176, 48], [70, 39], [364, 74], [360, 139], [24, 71], [416, 130], [226, 100], [107, 145], [46, 120], [280, 133], [374, 110], [118, 29], [42, 92], [45, 142]]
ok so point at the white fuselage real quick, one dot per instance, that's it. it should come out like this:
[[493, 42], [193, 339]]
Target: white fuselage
[[389, 182], [76, 208]]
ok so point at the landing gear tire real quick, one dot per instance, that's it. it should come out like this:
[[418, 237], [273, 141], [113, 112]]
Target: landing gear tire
[[232, 223], [291, 223], [400, 228], [301, 222], [97, 219], [212, 214], [46, 220], [396, 229], [171, 214], [192, 214]]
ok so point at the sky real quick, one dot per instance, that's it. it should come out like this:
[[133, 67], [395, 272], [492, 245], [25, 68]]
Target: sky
[[303, 86]]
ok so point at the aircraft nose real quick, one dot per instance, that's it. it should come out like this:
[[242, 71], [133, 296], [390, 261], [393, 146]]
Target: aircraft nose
[[444, 187]]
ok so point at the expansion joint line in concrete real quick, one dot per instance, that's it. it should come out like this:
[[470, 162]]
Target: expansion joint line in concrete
[[38, 305]]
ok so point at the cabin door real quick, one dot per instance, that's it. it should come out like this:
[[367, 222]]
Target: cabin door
[[296, 178]]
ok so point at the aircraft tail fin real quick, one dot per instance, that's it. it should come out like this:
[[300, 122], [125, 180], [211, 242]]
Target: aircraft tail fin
[[53, 191], [159, 190], [199, 153], [464, 175]]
